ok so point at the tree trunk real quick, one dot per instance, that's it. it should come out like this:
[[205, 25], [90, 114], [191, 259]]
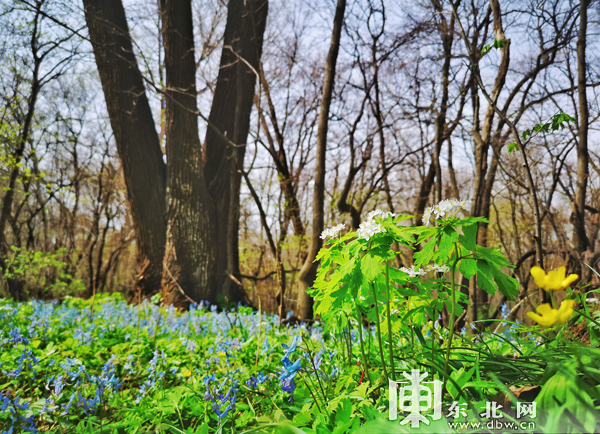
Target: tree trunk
[[483, 137], [309, 269], [580, 236], [230, 114], [135, 134], [446, 31], [191, 227]]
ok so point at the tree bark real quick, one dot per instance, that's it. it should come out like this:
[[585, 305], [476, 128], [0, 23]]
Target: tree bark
[[230, 114], [191, 227], [308, 272], [580, 236], [135, 135]]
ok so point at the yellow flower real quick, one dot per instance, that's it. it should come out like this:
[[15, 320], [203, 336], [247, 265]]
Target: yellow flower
[[548, 317], [186, 373], [554, 280]]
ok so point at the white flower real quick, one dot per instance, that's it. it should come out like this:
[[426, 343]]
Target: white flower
[[369, 228], [412, 272], [446, 206], [426, 216], [379, 213], [332, 232], [438, 268]]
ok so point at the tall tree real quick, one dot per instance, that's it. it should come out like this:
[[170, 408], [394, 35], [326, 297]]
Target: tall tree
[[580, 237], [191, 197], [309, 269], [135, 134], [191, 227], [230, 117]]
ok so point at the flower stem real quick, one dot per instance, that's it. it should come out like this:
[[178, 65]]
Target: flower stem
[[389, 320], [377, 322], [362, 344], [452, 316], [433, 341]]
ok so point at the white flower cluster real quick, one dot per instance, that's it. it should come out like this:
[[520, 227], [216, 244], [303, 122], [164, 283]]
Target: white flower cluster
[[422, 272], [438, 268], [379, 213], [332, 232], [440, 210], [412, 272], [369, 228]]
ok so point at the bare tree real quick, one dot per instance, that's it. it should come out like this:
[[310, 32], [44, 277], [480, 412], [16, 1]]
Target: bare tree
[[309, 269]]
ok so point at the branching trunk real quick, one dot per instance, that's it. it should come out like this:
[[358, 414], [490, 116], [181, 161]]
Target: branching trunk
[[135, 134], [230, 114], [191, 226]]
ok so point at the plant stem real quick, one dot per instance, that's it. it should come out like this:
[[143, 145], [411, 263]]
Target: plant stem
[[433, 339], [362, 343], [389, 320], [348, 338], [312, 361], [387, 378], [312, 394], [258, 344], [452, 316]]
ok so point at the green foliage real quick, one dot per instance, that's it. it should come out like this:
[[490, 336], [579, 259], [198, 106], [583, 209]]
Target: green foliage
[[45, 270], [558, 122], [350, 265], [498, 44], [111, 367]]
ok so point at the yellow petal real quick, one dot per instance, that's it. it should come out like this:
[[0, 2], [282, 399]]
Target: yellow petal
[[539, 276], [555, 280], [544, 309], [544, 321], [565, 311], [570, 279]]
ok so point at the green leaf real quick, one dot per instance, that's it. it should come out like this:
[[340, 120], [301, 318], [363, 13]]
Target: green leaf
[[470, 220], [542, 128], [469, 237], [303, 418], [344, 411], [499, 43], [490, 278], [370, 266], [424, 232], [507, 285], [468, 267], [484, 277], [460, 377], [426, 253], [559, 120], [446, 246], [513, 147], [397, 276], [494, 256]]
